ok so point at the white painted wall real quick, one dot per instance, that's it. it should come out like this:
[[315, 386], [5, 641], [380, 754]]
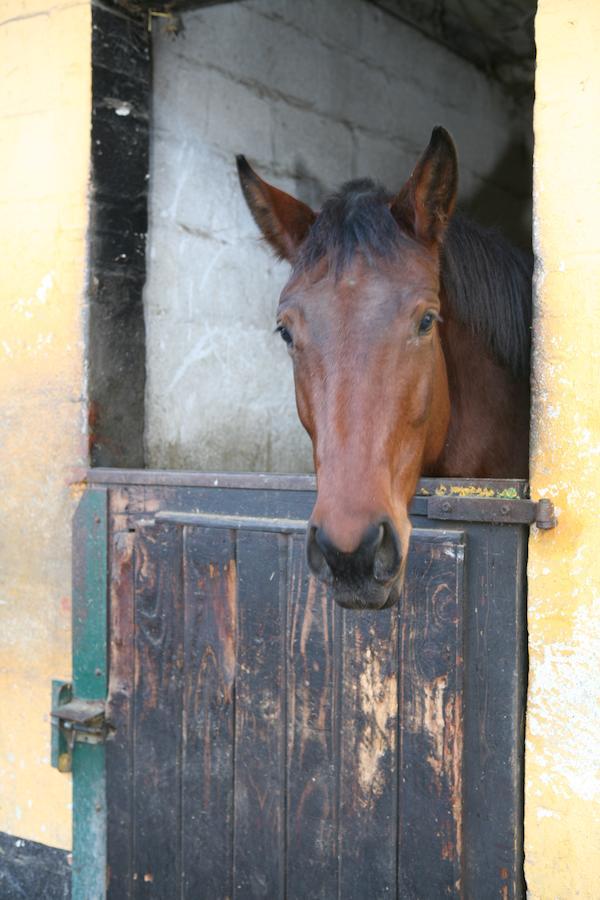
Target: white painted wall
[[313, 93]]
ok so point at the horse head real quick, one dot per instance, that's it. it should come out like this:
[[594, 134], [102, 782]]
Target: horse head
[[360, 315]]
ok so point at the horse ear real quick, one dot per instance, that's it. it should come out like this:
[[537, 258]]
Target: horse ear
[[283, 220], [427, 200]]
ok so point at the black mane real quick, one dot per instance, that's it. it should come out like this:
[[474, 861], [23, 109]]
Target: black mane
[[488, 284], [487, 281]]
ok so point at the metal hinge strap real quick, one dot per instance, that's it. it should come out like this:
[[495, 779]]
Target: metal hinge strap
[[495, 510]]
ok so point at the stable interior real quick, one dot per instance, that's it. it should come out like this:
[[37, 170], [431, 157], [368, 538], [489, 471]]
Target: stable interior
[[313, 94]]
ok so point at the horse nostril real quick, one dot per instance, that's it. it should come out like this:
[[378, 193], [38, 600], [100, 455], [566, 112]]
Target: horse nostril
[[314, 554], [378, 555], [388, 557]]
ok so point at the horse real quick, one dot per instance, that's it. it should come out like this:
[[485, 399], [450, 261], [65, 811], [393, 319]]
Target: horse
[[408, 327]]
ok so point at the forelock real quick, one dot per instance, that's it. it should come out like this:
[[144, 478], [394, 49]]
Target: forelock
[[357, 219]]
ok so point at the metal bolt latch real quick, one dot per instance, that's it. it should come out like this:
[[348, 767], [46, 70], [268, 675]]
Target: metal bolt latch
[[73, 720]]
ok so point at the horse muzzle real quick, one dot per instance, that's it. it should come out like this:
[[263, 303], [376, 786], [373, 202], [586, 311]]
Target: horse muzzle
[[368, 577]]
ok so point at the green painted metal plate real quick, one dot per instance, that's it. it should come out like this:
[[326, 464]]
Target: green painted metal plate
[[89, 683]]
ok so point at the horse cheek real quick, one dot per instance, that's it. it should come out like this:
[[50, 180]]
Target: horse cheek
[[439, 415], [303, 404]]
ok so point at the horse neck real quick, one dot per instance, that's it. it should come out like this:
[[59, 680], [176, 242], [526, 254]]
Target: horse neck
[[488, 426]]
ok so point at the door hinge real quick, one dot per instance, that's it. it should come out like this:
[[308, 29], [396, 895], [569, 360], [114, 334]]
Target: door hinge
[[73, 720], [496, 510]]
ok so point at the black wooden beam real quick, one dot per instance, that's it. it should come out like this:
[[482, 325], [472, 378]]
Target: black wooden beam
[[121, 79]]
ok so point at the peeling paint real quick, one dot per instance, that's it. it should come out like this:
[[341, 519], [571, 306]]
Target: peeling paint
[[46, 73], [562, 794], [379, 705], [567, 674]]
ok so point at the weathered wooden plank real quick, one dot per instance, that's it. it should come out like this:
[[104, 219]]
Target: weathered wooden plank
[[368, 766], [431, 730], [119, 762], [260, 730], [495, 685], [455, 487], [313, 735], [210, 588], [219, 480], [158, 712], [319, 861]]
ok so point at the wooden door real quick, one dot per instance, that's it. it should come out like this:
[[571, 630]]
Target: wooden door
[[269, 744]]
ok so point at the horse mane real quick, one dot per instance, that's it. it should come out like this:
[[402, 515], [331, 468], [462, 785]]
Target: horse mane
[[488, 286], [486, 280]]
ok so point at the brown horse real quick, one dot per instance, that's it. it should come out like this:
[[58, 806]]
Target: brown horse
[[409, 335]]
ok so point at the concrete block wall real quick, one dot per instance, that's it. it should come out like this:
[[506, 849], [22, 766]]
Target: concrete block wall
[[314, 94]]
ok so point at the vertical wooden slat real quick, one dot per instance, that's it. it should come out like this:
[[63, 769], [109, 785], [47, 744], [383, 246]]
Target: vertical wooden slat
[[209, 703], [119, 758], [259, 852], [496, 679], [313, 740], [158, 711], [368, 766], [431, 733]]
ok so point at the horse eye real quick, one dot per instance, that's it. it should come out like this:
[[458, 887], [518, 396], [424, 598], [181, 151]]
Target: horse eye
[[285, 335], [426, 323]]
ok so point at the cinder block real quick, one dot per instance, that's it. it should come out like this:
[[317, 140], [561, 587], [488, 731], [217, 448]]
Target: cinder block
[[196, 186], [260, 51], [314, 144], [233, 419], [239, 120], [180, 96], [386, 161], [198, 280]]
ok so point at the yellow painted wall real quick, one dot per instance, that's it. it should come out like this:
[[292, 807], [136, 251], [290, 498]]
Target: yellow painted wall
[[45, 105], [562, 827]]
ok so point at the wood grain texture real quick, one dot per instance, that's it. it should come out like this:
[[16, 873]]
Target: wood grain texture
[[260, 722], [119, 755], [269, 744], [495, 684], [157, 714], [431, 730], [368, 823], [313, 735], [210, 590]]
